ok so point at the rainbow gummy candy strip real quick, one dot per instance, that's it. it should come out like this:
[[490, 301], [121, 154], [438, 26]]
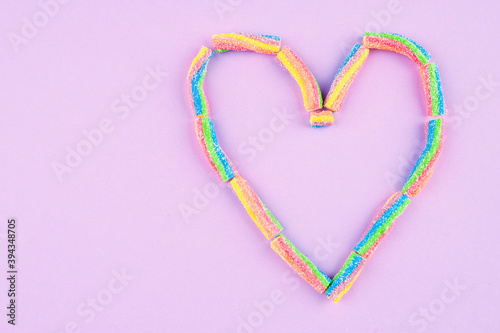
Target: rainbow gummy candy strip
[[397, 43], [382, 224], [300, 263], [309, 87], [425, 163], [433, 89], [344, 279], [385, 220], [345, 76], [321, 118], [208, 140], [266, 222], [196, 76], [246, 42]]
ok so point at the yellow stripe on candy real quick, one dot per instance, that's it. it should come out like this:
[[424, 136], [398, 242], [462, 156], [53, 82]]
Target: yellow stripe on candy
[[342, 84], [204, 50], [243, 200], [295, 74], [346, 289]]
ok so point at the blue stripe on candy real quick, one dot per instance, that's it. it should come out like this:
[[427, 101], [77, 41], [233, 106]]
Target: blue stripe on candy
[[222, 157], [418, 46], [271, 37], [381, 221], [349, 57], [337, 280], [198, 105], [430, 140], [439, 91]]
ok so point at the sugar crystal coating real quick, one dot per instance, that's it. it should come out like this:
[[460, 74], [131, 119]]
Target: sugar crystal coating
[[425, 164], [246, 42], [207, 138], [345, 76], [300, 263], [259, 213], [382, 224], [321, 118], [397, 43], [433, 90], [309, 87], [196, 77], [344, 279]]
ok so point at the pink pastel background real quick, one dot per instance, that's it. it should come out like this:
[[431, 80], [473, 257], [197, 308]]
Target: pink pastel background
[[142, 228]]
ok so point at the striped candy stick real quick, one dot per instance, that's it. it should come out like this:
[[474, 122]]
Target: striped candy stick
[[345, 76], [309, 87], [246, 42]]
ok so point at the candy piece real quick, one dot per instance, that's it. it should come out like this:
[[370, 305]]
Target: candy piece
[[246, 42], [344, 279], [425, 163], [311, 93], [321, 118], [344, 77], [266, 222], [382, 224], [208, 140], [397, 43], [196, 76], [300, 263], [433, 89]]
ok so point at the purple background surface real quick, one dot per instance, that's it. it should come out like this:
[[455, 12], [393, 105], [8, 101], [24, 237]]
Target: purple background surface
[[139, 235]]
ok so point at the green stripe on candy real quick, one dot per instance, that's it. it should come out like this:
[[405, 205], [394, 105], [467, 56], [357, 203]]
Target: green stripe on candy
[[207, 134], [384, 227], [433, 89], [275, 221], [422, 166], [402, 40], [323, 279], [203, 98], [319, 94]]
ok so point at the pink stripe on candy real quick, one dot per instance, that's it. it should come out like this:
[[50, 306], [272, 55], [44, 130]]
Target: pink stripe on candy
[[388, 44]]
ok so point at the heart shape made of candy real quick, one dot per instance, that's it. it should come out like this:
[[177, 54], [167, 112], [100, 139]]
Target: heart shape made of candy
[[321, 115]]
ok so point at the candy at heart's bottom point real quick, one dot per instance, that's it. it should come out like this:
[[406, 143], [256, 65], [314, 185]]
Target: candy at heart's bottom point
[[321, 118], [344, 279], [300, 263]]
